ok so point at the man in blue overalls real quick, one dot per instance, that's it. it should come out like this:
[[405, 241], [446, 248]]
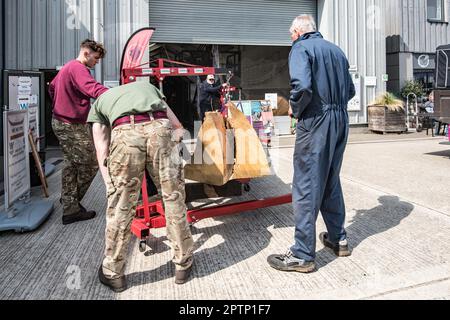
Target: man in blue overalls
[[321, 88]]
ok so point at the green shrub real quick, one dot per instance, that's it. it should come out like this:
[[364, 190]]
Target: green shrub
[[415, 87]]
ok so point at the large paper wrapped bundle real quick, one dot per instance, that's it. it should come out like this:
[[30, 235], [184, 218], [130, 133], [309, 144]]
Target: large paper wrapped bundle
[[212, 161], [250, 158], [227, 150]]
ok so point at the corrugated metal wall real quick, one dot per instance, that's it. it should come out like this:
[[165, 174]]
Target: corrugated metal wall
[[122, 19], [1, 35], [408, 29], [250, 22], [47, 33], [358, 27], [1, 51]]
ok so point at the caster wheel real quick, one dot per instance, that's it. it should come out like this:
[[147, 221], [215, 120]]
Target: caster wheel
[[247, 187], [143, 246]]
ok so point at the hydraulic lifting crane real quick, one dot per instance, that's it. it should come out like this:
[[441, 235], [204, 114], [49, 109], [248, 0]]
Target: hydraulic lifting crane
[[151, 215]]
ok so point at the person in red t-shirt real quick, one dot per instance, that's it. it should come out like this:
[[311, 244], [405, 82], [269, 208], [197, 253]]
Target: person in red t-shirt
[[72, 91]]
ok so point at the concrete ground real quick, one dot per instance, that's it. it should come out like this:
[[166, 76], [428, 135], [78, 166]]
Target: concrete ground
[[397, 194]]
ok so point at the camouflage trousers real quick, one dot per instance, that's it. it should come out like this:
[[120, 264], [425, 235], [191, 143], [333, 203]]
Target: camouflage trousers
[[80, 163], [133, 149]]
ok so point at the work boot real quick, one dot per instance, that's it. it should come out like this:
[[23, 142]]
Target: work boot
[[182, 276], [82, 209], [340, 249], [79, 216], [287, 262], [116, 285]]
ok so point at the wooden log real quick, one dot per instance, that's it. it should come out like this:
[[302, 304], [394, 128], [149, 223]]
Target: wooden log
[[212, 162], [251, 159], [37, 161], [227, 150]]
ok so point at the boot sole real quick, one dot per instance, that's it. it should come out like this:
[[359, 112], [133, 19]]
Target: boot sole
[[65, 223], [184, 280], [293, 269], [337, 252], [75, 220], [342, 254], [116, 290], [104, 281]]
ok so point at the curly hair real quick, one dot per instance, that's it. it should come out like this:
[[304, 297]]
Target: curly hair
[[94, 46]]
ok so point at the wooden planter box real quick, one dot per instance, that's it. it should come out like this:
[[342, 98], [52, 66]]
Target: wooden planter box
[[382, 119]]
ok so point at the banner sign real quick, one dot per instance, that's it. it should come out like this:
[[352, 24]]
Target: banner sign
[[135, 50], [17, 165], [24, 95]]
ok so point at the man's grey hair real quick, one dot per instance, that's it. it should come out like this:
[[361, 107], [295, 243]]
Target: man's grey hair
[[304, 23]]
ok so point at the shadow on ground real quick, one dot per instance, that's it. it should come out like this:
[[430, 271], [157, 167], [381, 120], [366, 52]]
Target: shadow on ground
[[247, 234], [234, 238], [444, 154], [367, 223]]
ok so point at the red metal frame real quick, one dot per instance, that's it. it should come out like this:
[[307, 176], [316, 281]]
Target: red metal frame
[[161, 71], [151, 215]]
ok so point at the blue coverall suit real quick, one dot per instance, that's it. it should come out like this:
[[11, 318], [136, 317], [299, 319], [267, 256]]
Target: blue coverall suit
[[321, 88]]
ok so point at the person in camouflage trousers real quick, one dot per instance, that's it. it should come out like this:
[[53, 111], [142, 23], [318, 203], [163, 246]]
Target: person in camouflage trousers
[[71, 92], [80, 163], [144, 141]]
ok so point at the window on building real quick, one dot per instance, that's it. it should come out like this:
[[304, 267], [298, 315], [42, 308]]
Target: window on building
[[426, 78], [436, 10]]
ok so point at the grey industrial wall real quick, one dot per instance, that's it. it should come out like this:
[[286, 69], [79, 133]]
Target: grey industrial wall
[[236, 22], [1, 50], [357, 26], [122, 19], [1, 33], [1, 79], [408, 31], [47, 33], [39, 33]]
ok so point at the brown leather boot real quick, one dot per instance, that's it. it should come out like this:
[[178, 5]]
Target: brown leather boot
[[79, 216], [182, 276], [116, 285]]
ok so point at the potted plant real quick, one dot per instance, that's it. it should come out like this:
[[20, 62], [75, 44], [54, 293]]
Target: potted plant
[[413, 87], [387, 114]]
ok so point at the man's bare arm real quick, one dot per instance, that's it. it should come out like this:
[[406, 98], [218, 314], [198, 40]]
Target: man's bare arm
[[178, 129], [176, 124], [102, 137]]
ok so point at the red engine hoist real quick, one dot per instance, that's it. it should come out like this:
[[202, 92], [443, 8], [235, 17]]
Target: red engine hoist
[[151, 215]]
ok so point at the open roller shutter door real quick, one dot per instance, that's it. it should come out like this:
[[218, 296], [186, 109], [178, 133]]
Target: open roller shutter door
[[249, 22]]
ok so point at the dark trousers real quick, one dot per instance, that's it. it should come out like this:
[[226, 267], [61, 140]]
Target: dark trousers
[[319, 151], [204, 108]]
